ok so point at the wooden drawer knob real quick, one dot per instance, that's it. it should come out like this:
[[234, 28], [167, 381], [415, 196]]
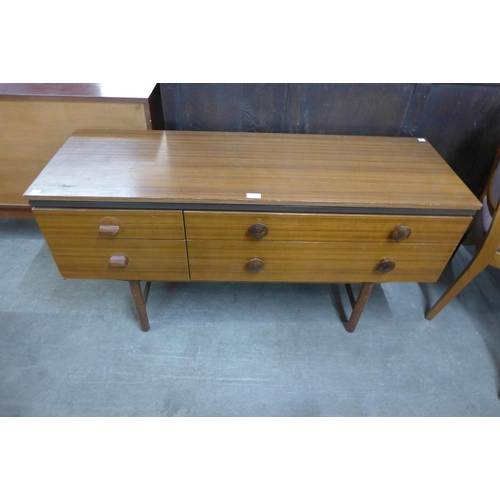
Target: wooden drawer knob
[[385, 266], [118, 260], [257, 231], [401, 233], [254, 265], [109, 226]]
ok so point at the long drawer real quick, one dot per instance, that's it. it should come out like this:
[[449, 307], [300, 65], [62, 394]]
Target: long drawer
[[104, 224], [134, 259], [316, 262], [324, 227]]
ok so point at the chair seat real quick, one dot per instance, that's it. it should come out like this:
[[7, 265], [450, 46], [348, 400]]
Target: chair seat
[[485, 215], [486, 218], [494, 193]]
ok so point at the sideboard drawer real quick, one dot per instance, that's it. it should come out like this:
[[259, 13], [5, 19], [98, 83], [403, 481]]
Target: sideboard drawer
[[324, 227], [151, 260], [79, 223], [315, 262]]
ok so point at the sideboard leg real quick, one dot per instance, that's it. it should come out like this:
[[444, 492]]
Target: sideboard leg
[[364, 293], [140, 300]]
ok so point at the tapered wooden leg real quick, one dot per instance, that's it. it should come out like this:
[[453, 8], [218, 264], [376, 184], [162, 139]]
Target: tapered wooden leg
[[468, 274], [140, 300], [364, 293]]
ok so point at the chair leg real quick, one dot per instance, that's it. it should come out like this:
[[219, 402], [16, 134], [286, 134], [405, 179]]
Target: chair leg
[[140, 300], [467, 275], [364, 293]]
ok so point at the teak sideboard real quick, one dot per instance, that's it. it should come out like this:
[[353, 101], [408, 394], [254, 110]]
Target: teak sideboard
[[219, 206], [37, 118]]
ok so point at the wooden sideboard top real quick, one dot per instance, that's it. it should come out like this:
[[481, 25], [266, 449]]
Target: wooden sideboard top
[[78, 90], [252, 170]]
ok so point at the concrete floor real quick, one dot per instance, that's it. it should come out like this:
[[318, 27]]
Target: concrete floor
[[74, 347]]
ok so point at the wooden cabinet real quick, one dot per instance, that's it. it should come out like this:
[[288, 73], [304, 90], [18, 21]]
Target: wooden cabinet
[[36, 119], [214, 206]]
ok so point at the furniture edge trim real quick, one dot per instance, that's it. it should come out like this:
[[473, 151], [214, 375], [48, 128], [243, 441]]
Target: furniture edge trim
[[223, 207]]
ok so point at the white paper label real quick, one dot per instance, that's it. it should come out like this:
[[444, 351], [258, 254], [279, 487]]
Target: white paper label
[[254, 195], [420, 139]]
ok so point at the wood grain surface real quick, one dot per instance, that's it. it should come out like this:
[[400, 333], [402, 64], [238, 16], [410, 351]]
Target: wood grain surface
[[284, 169], [237, 107], [315, 262], [324, 227], [138, 224], [33, 129], [149, 260], [347, 108], [461, 120]]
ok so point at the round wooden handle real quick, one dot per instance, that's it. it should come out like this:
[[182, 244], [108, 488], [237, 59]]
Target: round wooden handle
[[385, 266], [257, 231], [109, 226], [254, 265], [118, 260], [401, 233]]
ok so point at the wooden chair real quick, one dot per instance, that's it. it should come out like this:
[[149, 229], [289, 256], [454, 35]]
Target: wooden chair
[[488, 248]]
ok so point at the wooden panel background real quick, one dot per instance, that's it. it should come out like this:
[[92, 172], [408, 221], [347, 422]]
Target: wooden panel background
[[225, 107], [347, 109], [462, 121]]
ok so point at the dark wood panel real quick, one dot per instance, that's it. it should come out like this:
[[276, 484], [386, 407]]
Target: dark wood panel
[[156, 108], [347, 109], [462, 122], [169, 96], [230, 107], [415, 110]]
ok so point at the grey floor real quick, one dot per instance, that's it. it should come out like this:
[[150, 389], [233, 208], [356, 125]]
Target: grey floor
[[74, 347]]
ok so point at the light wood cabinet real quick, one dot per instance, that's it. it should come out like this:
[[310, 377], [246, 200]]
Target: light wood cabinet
[[36, 119]]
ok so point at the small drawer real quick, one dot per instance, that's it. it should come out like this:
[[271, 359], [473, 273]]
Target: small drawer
[[111, 224], [255, 226], [316, 262], [149, 260]]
